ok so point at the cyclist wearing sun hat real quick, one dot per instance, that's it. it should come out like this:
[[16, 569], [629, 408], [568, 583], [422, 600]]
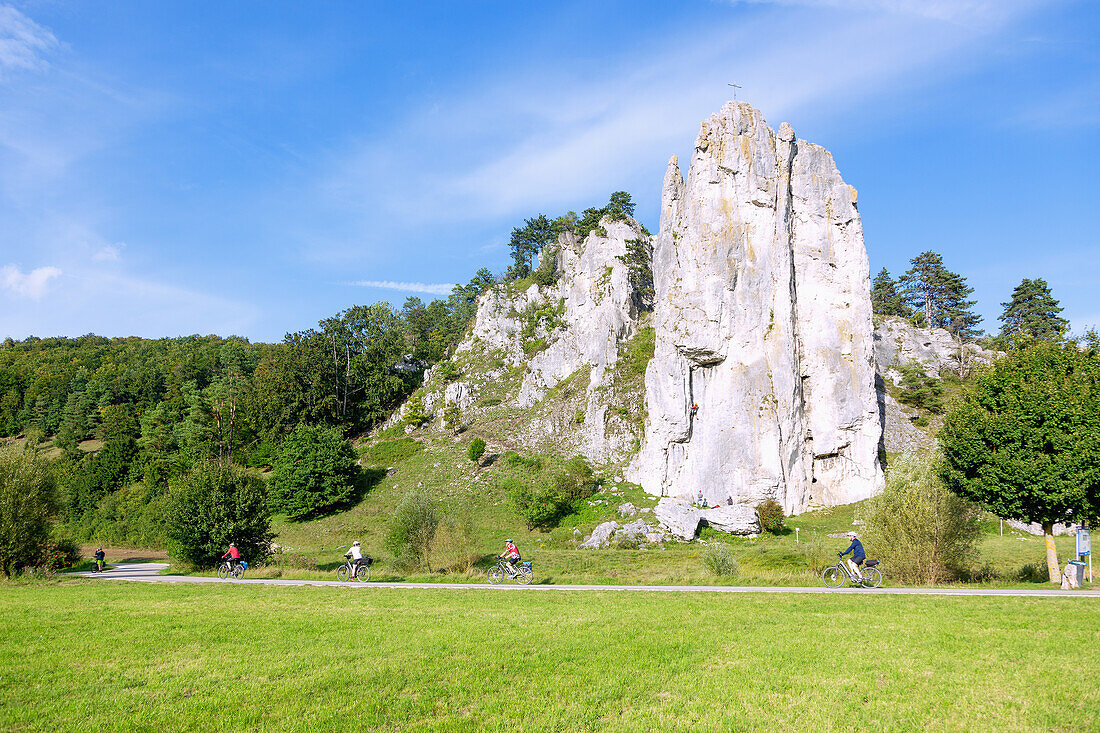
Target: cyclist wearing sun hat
[[858, 555]]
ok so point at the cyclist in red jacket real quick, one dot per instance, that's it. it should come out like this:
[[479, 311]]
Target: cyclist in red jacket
[[510, 555], [233, 554]]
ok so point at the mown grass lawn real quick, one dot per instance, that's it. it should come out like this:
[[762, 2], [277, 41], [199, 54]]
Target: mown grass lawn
[[100, 656]]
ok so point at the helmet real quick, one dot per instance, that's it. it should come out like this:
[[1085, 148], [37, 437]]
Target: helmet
[[508, 541], [852, 535], [355, 543], [232, 544]]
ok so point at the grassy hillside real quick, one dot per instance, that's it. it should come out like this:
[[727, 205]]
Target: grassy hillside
[[478, 518], [319, 659]]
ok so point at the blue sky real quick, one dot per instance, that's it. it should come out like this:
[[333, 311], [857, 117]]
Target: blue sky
[[251, 167]]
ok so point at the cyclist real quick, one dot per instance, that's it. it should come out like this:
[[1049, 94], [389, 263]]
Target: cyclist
[[858, 556], [234, 555], [356, 555], [510, 555], [99, 555]]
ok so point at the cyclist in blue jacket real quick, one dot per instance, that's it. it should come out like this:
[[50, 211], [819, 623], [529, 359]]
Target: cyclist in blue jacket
[[858, 555]]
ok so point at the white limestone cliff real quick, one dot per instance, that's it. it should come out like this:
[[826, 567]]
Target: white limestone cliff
[[763, 320], [567, 332]]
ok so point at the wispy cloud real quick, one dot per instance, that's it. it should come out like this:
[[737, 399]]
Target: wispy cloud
[[108, 253], [543, 136], [23, 43], [950, 10], [27, 285], [429, 288]]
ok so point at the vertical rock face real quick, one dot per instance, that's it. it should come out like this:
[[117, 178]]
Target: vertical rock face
[[763, 320]]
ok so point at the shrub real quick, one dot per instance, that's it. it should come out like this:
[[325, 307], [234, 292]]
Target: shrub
[[62, 554], [920, 390], [452, 417], [771, 516], [1033, 573], [415, 413], [719, 561], [447, 371], [476, 450], [542, 501], [26, 505], [389, 452], [314, 470], [413, 528], [578, 417], [212, 506], [925, 531]]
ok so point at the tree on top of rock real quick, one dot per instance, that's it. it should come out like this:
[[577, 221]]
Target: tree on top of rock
[[885, 298], [939, 296], [620, 206], [526, 243], [1033, 311]]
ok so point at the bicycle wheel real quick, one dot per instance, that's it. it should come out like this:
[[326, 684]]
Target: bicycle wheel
[[223, 571], [238, 572], [524, 576], [833, 576], [342, 573], [496, 575], [872, 578], [364, 573]]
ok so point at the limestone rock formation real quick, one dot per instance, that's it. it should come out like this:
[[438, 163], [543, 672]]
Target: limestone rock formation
[[564, 334], [763, 321], [899, 342], [682, 519]]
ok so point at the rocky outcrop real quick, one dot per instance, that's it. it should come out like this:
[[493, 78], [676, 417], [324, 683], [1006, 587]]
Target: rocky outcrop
[[763, 321], [567, 332], [682, 519], [899, 342]]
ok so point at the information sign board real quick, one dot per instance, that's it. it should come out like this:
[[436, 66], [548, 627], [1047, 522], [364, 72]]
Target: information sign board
[[1084, 541]]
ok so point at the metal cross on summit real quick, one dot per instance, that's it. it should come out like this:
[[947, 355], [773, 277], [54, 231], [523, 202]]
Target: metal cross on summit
[[735, 88]]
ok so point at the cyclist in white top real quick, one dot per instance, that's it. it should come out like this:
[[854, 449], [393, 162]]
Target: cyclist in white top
[[356, 555]]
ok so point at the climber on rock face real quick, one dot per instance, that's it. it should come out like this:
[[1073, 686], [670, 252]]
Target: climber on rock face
[[694, 408]]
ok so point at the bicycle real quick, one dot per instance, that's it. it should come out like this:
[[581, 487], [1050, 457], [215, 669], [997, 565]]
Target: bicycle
[[349, 571], [232, 570], [835, 575], [98, 566], [523, 574]]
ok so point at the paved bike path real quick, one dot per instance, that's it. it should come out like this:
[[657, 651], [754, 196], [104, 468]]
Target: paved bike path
[[148, 573]]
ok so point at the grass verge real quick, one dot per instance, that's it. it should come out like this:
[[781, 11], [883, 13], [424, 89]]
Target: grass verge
[[319, 659]]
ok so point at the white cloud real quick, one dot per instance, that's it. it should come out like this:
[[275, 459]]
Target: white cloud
[[108, 253], [429, 288], [545, 136], [30, 285], [950, 10], [22, 41]]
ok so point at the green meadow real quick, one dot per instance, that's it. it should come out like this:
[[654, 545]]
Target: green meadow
[[99, 656]]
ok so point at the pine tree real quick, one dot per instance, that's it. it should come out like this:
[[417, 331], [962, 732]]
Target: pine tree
[[885, 298], [939, 296], [1032, 310]]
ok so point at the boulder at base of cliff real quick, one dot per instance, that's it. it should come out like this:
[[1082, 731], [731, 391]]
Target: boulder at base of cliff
[[681, 518], [601, 536]]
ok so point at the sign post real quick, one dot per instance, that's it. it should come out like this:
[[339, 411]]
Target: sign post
[[1084, 546]]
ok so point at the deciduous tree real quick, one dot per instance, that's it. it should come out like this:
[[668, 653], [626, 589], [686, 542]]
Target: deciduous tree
[[1024, 440]]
